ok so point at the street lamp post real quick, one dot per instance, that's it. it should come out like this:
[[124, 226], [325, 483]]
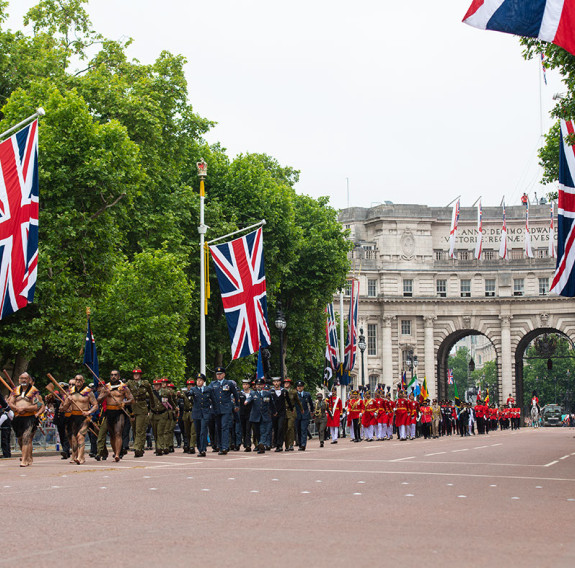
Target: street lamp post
[[362, 345], [281, 324]]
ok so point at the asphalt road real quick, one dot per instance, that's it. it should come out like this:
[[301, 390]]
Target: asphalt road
[[503, 499]]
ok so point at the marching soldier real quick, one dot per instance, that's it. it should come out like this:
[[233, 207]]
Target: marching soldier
[[368, 419], [412, 410], [224, 399], [142, 392], [292, 402], [201, 412], [401, 418], [189, 427], [334, 409], [355, 408], [262, 408], [389, 412], [304, 413], [245, 415], [320, 417], [159, 418]]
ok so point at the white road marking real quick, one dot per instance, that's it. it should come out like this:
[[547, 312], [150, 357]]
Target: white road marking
[[409, 495], [305, 492], [570, 499], [538, 487], [205, 489], [153, 488], [190, 478], [403, 459], [275, 479], [493, 486], [462, 496], [56, 487], [145, 476], [361, 481], [500, 444], [7, 486], [360, 494], [103, 488], [480, 447], [514, 497], [63, 476], [231, 478], [564, 457], [254, 491], [435, 454], [450, 485], [318, 480], [463, 450], [550, 463]]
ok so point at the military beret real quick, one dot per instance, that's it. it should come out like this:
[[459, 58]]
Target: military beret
[[165, 380], [172, 385], [300, 384], [287, 380], [137, 371], [201, 376], [260, 382], [157, 381], [190, 382], [220, 370]]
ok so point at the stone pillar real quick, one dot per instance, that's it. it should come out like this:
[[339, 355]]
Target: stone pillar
[[429, 356], [506, 360], [387, 351]]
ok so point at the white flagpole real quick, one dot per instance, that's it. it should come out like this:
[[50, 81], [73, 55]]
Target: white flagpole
[[39, 112], [202, 172]]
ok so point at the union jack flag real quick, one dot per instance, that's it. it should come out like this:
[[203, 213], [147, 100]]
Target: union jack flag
[[332, 344], [449, 376], [453, 230], [479, 244], [528, 249], [564, 279], [503, 244], [241, 276], [18, 219], [351, 340]]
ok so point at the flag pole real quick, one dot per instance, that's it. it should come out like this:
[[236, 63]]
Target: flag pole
[[39, 112], [202, 172], [262, 222]]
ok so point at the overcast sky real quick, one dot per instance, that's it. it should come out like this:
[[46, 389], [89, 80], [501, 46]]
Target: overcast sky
[[398, 96]]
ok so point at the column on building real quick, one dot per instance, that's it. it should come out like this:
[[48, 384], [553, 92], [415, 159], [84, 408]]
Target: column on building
[[387, 351], [506, 365], [429, 355]]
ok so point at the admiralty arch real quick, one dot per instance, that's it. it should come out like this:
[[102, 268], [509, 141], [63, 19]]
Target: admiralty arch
[[417, 302]]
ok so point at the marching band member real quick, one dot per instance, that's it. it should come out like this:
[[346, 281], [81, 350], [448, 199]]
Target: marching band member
[[334, 409]]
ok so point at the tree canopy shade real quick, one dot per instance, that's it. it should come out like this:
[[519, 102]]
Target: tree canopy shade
[[119, 211]]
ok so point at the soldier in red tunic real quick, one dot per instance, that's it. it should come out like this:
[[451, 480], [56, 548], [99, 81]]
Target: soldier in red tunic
[[412, 410], [334, 408], [510, 401], [368, 419], [389, 411], [354, 410], [401, 415], [381, 418]]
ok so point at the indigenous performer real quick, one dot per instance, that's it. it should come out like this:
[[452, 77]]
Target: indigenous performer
[[27, 404], [80, 402], [412, 410], [368, 419], [401, 416], [334, 408], [354, 410], [117, 395]]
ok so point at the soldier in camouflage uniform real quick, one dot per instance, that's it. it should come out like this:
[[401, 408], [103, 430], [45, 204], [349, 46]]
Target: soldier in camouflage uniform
[[159, 418], [173, 412], [189, 427], [142, 393]]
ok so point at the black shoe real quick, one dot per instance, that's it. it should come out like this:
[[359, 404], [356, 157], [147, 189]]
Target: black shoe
[[171, 450], [301, 449], [201, 454], [236, 448], [248, 450], [192, 451], [334, 441], [65, 455], [321, 444], [186, 450], [290, 449], [261, 451], [214, 449], [139, 454], [98, 458], [222, 452], [279, 449], [92, 454]]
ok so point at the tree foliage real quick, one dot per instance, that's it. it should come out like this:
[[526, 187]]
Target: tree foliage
[[119, 211]]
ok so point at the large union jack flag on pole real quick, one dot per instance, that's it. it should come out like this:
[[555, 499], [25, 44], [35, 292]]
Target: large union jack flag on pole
[[332, 344], [564, 279], [351, 340], [241, 275], [18, 219]]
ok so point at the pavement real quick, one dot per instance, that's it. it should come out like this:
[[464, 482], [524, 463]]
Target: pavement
[[507, 498]]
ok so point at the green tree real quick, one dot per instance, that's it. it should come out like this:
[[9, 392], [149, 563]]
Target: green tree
[[459, 363]]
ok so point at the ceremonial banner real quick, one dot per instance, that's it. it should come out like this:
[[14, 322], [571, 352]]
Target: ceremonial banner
[[241, 276], [551, 249], [449, 376], [91, 355], [528, 249], [548, 20], [453, 230], [564, 279], [351, 340], [332, 344], [18, 219]]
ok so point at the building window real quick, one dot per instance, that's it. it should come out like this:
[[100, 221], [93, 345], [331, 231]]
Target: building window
[[488, 254], [347, 290], [541, 253], [465, 287], [463, 255], [408, 288], [373, 382], [372, 339], [543, 286], [516, 254], [518, 286], [441, 254], [441, 288], [490, 287], [372, 288], [405, 327]]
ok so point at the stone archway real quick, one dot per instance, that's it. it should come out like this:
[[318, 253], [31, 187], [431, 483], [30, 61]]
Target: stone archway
[[443, 353], [522, 346]]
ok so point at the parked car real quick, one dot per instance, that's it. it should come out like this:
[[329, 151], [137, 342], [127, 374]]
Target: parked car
[[551, 415]]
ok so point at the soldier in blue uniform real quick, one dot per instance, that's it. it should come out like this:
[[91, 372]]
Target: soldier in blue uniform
[[304, 414], [225, 399], [201, 412], [245, 415], [262, 408]]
